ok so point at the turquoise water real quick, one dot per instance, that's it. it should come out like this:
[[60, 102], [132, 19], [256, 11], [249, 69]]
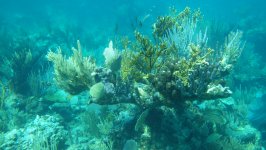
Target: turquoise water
[[128, 75]]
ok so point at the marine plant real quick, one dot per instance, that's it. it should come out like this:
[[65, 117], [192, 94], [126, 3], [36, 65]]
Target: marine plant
[[73, 74]]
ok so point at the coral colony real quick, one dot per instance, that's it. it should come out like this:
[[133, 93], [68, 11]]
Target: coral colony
[[167, 90]]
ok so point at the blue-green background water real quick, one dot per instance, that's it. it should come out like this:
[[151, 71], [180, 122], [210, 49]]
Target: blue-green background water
[[41, 25], [116, 17], [106, 15]]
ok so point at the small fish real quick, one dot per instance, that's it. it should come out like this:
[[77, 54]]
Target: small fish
[[69, 97]]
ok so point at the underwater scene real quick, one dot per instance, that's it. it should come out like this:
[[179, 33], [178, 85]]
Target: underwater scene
[[132, 75]]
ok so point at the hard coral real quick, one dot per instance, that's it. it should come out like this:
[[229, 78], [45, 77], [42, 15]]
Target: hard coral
[[186, 78], [178, 62], [144, 58]]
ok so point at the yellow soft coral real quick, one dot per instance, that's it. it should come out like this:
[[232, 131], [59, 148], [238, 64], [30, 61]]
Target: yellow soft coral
[[72, 74]]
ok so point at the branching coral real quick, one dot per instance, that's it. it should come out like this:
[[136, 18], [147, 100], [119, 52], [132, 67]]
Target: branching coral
[[187, 66], [186, 78], [198, 68], [178, 62], [145, 58], [180, 21], [73, 74]]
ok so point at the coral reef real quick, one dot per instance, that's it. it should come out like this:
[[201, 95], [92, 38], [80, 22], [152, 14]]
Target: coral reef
[[110, 89], [179, 62], [45, 132], [166, 89], [202, 125]]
